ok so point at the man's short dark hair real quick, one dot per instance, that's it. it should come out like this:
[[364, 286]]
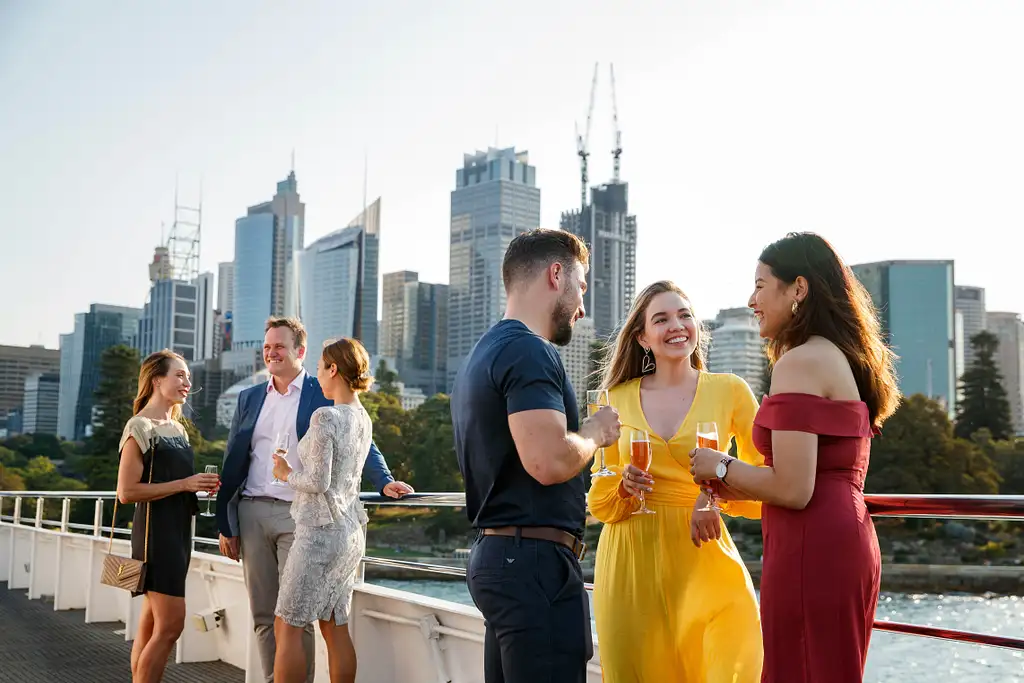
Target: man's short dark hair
[[532, 251]]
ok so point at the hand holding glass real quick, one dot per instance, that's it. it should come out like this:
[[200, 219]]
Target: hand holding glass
[[210, 469], [595, 401], [281, 450], [640, 457], [707, 437]]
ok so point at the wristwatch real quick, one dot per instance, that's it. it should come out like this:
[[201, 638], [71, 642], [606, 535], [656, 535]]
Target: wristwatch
[[722, 469]]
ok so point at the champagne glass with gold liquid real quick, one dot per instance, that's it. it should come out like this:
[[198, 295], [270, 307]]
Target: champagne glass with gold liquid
[[640, 457], [595, 401], [707, 437]]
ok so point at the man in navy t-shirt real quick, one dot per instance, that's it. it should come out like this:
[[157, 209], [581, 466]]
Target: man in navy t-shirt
[[522, 453]]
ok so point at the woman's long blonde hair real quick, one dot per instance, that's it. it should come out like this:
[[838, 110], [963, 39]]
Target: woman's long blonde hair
[[623, 358], [157, 364]]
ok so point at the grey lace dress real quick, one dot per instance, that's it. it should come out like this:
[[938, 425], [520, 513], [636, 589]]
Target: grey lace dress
[[329, 539]]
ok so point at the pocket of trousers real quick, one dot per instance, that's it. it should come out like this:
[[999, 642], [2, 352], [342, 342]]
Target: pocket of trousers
[[559, 576]]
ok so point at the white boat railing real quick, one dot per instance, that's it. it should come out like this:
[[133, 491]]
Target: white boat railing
[[396, 632]]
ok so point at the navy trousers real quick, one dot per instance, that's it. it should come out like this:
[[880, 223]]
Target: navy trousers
[[536, 610]]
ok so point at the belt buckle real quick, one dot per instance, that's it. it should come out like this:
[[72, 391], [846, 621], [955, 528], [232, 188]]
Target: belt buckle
[[579, 549]]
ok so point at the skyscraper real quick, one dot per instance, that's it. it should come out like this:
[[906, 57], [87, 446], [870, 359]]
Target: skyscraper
[[178, 315], [495, 198], [225, 286], [392, 328], [423, 353], [915, 301], [266, 239], [736, 345], [610, 233], [42, 392], [16, 364], [97, 330], [1009, 330], [335, 292], [970, 304]]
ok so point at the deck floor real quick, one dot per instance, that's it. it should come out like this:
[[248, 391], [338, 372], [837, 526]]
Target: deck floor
[[40, 645]]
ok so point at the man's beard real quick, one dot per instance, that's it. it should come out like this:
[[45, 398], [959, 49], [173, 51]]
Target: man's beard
[[562, 317]]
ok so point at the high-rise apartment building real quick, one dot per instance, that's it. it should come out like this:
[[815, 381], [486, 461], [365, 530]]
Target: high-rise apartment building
[[42, 393], [576, 358], [266, 239], [495, 198], [97, 330], [915, 301], [1009, 330], [226, 286], [736, 345], [970, 307], [392, 323], [18, 363], [423, 353], [610, 233], [336, 293]]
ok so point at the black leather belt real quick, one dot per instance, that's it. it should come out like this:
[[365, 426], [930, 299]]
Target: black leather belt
[[542, 533]]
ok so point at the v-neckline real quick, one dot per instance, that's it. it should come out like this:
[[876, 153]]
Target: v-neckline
[[686, 418]]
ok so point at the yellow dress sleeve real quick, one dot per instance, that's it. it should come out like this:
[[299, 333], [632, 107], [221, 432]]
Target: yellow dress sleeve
[[603, 498], [744, 408]]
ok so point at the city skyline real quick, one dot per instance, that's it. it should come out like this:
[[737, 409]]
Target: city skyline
[[725, 147]]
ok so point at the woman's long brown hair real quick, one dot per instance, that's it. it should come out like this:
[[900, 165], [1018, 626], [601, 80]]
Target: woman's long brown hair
[[837, 308], [157, 364], [623, 358]]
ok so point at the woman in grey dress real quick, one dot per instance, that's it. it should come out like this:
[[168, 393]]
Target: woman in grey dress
[[316, 584]]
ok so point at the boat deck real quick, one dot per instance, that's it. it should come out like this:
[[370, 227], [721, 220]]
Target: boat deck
[[40, 645]]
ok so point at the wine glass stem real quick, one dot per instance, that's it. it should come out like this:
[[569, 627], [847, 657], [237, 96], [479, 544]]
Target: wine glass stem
[[602, 459]]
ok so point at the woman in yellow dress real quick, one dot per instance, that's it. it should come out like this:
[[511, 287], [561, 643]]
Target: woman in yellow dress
[[672, 598]]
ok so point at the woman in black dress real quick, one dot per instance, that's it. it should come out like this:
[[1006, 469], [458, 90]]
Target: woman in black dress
[[155, 438]]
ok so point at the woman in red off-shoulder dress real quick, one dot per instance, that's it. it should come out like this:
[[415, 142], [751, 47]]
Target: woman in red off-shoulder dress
[[832, 387]]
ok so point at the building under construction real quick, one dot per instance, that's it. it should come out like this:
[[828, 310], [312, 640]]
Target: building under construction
[[609, 231]]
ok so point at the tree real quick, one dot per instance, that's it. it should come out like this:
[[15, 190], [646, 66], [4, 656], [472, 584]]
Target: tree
[[916, 453], [430, 443], [387, 379], [119, 378], [389, 420], [984, 404]]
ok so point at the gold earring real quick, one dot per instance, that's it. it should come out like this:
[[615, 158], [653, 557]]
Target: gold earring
[[795, 306]]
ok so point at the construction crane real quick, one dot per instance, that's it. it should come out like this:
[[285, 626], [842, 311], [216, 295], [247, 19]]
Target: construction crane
[[583, 144], [617, 151]]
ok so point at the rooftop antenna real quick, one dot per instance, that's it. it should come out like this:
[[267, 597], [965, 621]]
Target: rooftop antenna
[[293, 160]]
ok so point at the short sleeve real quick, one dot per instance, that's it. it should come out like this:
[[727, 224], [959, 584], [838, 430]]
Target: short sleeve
[[140, 429], [530, 376]]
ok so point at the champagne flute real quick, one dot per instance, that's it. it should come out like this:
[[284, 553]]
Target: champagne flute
[[280, 449], [707, 437], [640, 457], [210, 469], [595, 401]]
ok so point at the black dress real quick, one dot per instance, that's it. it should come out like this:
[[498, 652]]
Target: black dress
[[164, 447]]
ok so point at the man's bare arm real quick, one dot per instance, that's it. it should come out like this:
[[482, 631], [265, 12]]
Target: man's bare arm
[[549, 452]]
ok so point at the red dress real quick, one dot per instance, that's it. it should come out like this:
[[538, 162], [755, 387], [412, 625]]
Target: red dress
[[821, 570]]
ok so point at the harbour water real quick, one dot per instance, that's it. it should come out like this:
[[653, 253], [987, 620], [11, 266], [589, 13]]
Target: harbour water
[[894, 658]]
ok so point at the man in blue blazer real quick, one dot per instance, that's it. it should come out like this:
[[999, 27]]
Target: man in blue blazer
[[253, 509]]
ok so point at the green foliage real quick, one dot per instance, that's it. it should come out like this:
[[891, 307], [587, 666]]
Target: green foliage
[[917, 453], [119, 379], [387, 379], [984, 404], [765, 386]]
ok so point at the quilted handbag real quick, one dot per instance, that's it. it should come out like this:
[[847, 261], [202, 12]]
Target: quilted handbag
[[125, 572]]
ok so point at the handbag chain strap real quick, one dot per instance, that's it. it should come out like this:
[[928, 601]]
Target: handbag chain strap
[[149, 504]]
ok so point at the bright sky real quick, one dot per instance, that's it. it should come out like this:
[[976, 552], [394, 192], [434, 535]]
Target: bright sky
[[893, 128]]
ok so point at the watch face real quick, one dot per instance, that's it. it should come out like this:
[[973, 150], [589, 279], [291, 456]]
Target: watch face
[[721, 470]]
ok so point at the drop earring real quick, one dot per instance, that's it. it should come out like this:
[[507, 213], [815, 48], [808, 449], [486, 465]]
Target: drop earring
[[648, 363], [795, 307]]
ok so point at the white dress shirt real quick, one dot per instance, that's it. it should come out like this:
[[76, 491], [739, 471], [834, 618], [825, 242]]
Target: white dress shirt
[[278, 415]]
